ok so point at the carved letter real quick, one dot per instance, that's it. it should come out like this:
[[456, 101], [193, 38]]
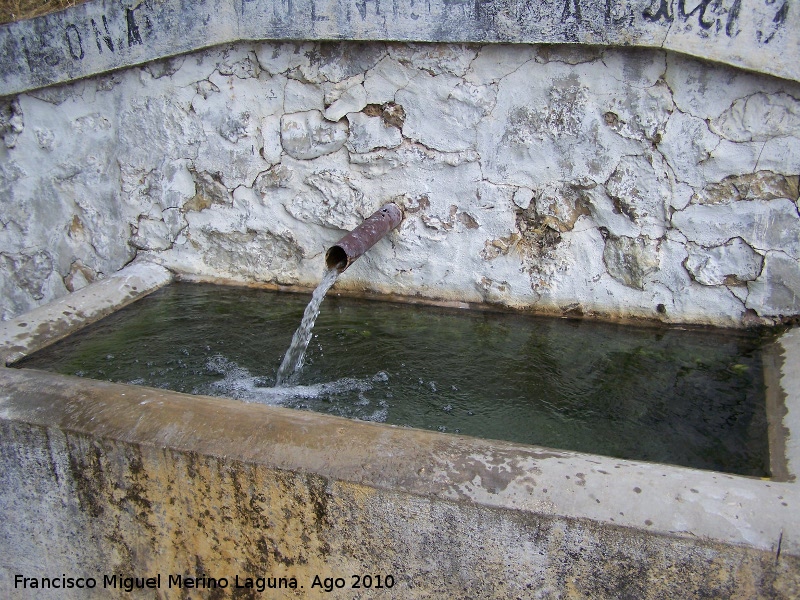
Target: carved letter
[[105, 37], [133, 29], [700, 7], [314, 16], [362, 7], [777, 21], [74, 40], [570, 11], [663, 12], [733, 15]]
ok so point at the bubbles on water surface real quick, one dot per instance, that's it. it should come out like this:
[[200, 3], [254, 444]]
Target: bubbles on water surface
[[346, 396]]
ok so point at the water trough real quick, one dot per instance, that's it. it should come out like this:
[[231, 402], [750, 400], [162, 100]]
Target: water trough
[[336, 497], [541, 162]]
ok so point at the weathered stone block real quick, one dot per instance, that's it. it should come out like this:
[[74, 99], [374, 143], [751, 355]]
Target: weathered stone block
[[151, 235], [759, 117], [641, 193], [686, 144], [370, 133], [385, 79], [307, 135], [302, 97], [29, 279], [777, 291], [558, 207], [763, 224], [733, 263], [436, 59], [439, 114], [178, 186], [630, 260], [342, 204], [352, 100], [761, 185], [153, 128], [279, 58], [12, 122]]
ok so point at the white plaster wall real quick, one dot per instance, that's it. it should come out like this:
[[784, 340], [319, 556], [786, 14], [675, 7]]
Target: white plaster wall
[[565, 179]]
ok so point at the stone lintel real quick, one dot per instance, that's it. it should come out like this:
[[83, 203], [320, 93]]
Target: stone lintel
[[103, 35]]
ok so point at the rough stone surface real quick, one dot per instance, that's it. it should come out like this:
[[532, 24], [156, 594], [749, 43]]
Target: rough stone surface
[[351, 101], [777, 291], [307, 135], [764, 224], [733, 263], [626, 182], [629, 260], [370, 133]]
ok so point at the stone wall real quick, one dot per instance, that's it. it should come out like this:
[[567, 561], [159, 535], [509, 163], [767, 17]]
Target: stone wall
[[561, 178]]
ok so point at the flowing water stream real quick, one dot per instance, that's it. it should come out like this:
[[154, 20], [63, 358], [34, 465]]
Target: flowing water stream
[[293, 359]]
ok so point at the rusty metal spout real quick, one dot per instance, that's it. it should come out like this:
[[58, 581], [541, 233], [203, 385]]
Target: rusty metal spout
[[362, 238]]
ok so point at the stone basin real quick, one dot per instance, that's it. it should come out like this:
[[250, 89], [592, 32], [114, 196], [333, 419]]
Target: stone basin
[[103, 479], [633, 160]]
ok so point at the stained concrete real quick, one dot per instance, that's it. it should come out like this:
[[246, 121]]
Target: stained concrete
[[102, 478], [789, 349]]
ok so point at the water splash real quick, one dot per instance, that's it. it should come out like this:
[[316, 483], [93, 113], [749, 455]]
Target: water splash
[[335, 396], [293, 359]]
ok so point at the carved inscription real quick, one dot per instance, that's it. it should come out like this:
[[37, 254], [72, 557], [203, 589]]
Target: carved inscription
[[777, 22], [715, 14], [700, 10], [362, 7], [61, 40], [733, 15], [74, 44], [660, 11], [134, 37]]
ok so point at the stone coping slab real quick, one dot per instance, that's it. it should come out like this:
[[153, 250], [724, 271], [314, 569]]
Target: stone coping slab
[[49, 323], [103, 35], [665, 500]]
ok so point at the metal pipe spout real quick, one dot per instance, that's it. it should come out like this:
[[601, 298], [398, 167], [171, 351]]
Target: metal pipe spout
[[345, 252]]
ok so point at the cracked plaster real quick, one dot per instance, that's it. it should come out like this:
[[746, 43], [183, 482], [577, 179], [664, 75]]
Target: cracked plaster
[[617, 182]]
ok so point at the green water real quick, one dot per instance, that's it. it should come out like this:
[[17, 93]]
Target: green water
[[686, 397]]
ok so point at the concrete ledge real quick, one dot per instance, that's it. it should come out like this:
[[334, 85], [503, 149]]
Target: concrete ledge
[[102, 35], [102, 478], [789, 387], [645, 496], [51, 322]]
